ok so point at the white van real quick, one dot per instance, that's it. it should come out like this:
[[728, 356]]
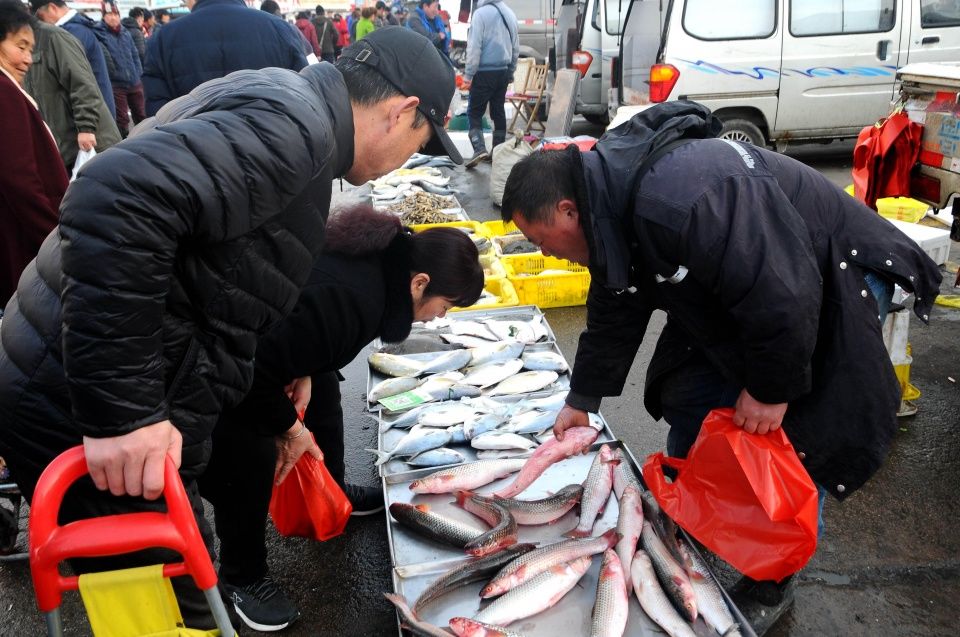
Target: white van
[[588, 40], [535, 29], [776, 71]]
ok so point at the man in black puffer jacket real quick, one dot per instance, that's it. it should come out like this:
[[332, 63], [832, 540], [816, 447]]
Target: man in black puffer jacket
[[137, 322]]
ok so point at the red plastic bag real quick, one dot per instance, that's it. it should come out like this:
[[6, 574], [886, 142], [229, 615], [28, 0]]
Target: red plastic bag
[[883, 158], [309, 502], [745, 496]]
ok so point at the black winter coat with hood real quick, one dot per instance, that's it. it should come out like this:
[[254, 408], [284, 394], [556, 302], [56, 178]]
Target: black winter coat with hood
[[759, 262], [176, 249], [347, 303]]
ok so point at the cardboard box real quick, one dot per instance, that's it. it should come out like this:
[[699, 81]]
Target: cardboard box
[[940, 142]]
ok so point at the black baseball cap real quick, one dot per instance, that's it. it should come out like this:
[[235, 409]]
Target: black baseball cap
[[414, 66]]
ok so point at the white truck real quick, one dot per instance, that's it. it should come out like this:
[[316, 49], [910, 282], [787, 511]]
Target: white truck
[[776, 71]]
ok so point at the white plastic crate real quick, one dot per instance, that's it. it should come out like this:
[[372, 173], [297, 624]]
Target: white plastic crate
[[934, 241]]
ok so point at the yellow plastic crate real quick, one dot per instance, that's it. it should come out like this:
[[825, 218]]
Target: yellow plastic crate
[[559, 289], [898, 208], [502, 288], [498, 228], [492, 268], [472, 225]]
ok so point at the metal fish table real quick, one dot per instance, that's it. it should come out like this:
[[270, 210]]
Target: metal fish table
[[418, 562]]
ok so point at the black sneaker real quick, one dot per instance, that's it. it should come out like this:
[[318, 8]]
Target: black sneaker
[[763, 602], [262, 605], [365, 500]]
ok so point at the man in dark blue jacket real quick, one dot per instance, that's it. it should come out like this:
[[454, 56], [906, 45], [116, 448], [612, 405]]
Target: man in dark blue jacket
[[124, 68], [82, 28], [217, 38]]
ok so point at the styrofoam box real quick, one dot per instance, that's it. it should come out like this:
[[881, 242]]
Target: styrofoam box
[[934, 241]]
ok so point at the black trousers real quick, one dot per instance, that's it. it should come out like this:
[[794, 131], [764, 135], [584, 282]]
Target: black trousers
[[489, 87], [239, 480]]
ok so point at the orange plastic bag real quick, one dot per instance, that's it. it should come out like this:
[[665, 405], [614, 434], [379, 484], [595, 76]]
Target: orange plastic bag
[[745, 496], [309, 503]]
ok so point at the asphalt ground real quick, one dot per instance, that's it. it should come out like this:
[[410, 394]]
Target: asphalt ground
[[887, 565]]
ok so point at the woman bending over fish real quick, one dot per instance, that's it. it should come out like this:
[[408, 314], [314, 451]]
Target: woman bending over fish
[[373, 280]]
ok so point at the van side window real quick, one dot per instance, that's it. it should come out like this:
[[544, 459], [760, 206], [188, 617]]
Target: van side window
[[616, 14], [939, 13], [834, 17], [730, 19]]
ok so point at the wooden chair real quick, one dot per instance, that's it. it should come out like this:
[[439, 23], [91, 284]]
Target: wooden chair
[[529, 101], [520, 76]]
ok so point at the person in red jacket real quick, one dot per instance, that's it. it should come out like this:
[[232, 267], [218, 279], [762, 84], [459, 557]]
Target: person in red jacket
[[32, 175], [344, 30], [309, 31]]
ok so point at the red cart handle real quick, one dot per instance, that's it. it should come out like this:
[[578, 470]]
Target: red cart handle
[[51, 543]]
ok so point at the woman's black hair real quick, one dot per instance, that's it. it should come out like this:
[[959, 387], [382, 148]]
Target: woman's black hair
[[447, 255], [451, 260], [13, 17], [303, 15]]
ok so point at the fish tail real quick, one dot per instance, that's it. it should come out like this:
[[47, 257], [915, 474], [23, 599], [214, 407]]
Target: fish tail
[[382, 456], [612, 537], [462, 497]]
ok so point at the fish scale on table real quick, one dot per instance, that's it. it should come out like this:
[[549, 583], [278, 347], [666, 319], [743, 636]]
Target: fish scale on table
[[475, 570], [543, 558], [496, 352], [545, 510], [596, 492], [503, 528], [544, 361], [530, 422], [711, 604], [612, 605], [629, 527], [623, 475], [417, 441], [466, 477], [436, 457], [524, 383], [391, 387], [653, 599], [492, 373], [448, 361], [422, 521], [674, 580], [536, 595], [481, 424], [394, 365]]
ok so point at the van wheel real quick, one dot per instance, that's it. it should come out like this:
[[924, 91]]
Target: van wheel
[[597, 119], [742, 130]]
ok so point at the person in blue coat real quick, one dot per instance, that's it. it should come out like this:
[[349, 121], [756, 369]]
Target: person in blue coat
[[217, 38], [82, 28], [123, 66], [426, 21]]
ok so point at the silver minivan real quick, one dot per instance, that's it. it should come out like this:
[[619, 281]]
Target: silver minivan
[[780, 70]]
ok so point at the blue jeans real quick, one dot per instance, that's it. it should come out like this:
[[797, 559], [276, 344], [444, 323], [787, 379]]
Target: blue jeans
[[690, 392]]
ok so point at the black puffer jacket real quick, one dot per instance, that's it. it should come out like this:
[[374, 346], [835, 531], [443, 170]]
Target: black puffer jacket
[[348, 302], [177, 248], [772, 288]]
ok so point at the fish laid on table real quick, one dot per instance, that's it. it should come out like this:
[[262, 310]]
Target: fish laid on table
[[710, 603], [457, 436], [623, 475], [465, 340], [405, 419], [466, 477], [523, 383], [543, 558], [496, 454], [411, 622], [676, 584], [527, 332], [544, 510], [536, 595], [436, 458], [455, 392], [419, 519], [466, 627], [665, 528], [654, 600], [596, 492], [440, 188], [472, 328], [553, 402], [489, 405], [629, 527], [391, 387], [503, 528], [481, 424], [496, 352], [393, 365], [448, 414], [492, 373], [501, 440], [448, 361], [419, 439], [613, 602], [418, 344], [531, 422], [474, 570], [545, 361], [575, 440]]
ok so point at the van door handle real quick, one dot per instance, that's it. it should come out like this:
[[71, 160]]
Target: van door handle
[[930, 39], [596, 75], [883, 48]]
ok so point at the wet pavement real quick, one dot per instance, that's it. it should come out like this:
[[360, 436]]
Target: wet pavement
[[888, 564]]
